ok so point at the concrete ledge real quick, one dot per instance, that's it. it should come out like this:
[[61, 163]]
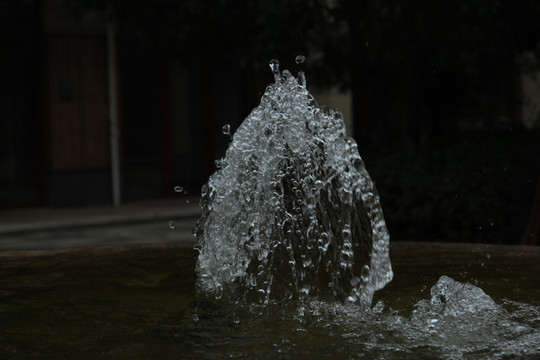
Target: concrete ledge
[[94, 250], [474, 248], [46, 219], [507, 250]]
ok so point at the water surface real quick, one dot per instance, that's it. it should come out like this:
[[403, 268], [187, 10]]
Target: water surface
[[140, 302]]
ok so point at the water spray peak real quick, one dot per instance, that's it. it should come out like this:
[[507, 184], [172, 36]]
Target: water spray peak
[[274, 66], [291, 213]]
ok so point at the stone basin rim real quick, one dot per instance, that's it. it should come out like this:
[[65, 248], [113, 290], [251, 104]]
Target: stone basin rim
[[473, 248]]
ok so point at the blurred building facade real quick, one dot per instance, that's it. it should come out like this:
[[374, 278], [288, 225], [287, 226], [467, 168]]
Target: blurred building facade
[[55, 120], [55, 127], [55, 113]]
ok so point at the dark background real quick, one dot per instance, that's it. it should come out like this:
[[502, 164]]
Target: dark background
[[436, 86]]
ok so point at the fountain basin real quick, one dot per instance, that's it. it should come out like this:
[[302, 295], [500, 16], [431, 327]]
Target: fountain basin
[[140, 302]]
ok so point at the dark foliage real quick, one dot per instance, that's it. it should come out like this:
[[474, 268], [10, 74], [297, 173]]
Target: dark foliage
[[472, 187], [418, 70]]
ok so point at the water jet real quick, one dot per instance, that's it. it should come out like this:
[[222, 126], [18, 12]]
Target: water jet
[[292, 212], [292, 219]]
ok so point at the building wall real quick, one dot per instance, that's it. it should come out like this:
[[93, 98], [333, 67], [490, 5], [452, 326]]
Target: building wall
[[20, 118], [76, 131], [77, 97]]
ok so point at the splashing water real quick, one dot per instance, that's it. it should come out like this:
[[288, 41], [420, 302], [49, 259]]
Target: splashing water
[[456, 321], [292, 221], [291, 212]]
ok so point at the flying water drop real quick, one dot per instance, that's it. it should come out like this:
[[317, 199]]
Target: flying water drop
[[226, 129]]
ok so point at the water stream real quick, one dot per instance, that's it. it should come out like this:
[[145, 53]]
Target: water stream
[[292, 227], [292, 212]]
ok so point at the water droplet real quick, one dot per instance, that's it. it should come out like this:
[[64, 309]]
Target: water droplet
[[488, 256], [226, 129], [307, 263], [219, 292], [195, 317], [220, 163], [365, 273], [187, 201], [178, 189], [171, 224], [274, 65], [236, 320], [379, 307], [286, 74], [288, 295], [301, 79], [300, 59]]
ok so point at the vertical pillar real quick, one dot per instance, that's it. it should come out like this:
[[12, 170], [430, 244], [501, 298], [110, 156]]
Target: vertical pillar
[[114, 132]]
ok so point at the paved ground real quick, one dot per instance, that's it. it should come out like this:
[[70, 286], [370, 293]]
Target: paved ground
[[142, 222]]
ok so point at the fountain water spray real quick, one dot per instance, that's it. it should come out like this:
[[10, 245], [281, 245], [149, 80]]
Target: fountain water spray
[[292, 230], [291, 211]]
